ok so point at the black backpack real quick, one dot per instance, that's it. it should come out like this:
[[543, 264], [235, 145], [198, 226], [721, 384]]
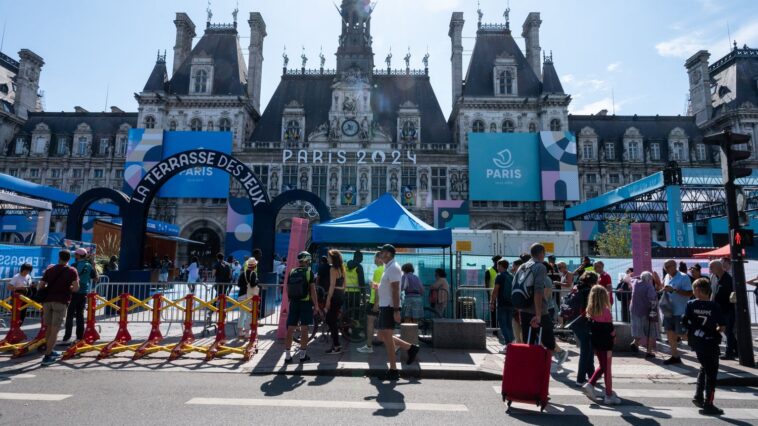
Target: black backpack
[[298, 284], [224, 273]]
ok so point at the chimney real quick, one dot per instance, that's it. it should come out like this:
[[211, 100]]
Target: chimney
[[531, 33], [27, 82], [700, 91], [116, 109], [456, 58], [80, 109], [255, 58], [185, 32]]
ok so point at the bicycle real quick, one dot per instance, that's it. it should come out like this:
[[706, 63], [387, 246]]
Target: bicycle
[[353, 320]]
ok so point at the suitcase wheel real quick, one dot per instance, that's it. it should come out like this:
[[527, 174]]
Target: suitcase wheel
[[508, 410]]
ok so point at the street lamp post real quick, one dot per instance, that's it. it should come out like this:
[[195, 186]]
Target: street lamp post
[[730, 172]]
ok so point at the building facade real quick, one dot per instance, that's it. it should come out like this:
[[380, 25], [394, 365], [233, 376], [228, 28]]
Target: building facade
[[355, 132]]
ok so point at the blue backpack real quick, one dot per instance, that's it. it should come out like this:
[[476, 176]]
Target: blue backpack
[[522, 295]]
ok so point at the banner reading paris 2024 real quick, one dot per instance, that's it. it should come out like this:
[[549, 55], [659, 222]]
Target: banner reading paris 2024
[[148, 147], [523, 167]]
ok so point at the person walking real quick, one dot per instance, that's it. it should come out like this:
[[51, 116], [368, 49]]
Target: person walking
[[678, 289], [248, 288], [373, 308], [603, 335], [501, 296], [413, 290], [21, 284], [335, 298], [705, 323], [193, 273], [222, 272], [722, 287], [165, 268], [58, 283], [389, 312], [581, 328], [87, 277], [355, 282], [439, 292], [303, 301], [644, 314], [538, 315], [489, 283], [604, 278]]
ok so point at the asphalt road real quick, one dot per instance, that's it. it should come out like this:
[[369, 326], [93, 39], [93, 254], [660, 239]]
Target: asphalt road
[[49, 396]]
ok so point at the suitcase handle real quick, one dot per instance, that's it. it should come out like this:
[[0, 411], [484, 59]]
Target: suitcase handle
[[529, 336]]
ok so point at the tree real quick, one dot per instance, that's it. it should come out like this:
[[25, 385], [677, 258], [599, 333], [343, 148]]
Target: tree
[[616, 240]]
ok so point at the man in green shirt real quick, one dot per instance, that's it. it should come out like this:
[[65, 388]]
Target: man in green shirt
[[373, 307], [301, 292]]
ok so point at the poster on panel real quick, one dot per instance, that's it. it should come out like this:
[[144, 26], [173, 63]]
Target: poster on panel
[[504, 167], [558, 166]]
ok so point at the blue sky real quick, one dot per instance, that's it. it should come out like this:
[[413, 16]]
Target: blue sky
[[633, 49]]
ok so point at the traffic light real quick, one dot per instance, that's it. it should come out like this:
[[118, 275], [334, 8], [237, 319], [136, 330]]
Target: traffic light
[[730, 154], [741, 238]]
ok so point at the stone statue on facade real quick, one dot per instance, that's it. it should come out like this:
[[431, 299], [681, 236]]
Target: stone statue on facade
[[388, 60], [408, 59], [322, 59], [348, 105], [285, 58], [303, 58], [426, 60]]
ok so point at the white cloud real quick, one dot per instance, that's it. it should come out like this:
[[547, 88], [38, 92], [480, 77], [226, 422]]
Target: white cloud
[[681, 47], [710, 6], [595, 107], [686, 45], [585, 84], [616, 66], [568, 78]]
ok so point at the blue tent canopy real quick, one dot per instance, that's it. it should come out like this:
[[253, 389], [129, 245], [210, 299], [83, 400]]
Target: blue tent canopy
[[383, 221]]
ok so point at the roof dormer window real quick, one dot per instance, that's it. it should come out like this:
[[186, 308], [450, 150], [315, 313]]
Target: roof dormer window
[[201, 76], [505, 76], [201, 81]]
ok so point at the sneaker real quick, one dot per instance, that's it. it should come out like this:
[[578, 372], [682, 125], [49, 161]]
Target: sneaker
[[392, 375], [334, 351], [366, 349], [50, 359], [698, 402], [590, 391], [561, 357], [711, 410], [579, 384], [504, 351], [304, 359], [612, 400], [412, 352], [673, 360]]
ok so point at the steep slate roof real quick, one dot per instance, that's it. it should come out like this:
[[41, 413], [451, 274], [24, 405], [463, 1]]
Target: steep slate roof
[[229, 75], [67, 122], [158, 78], [550, 81], [489, 45], [746, 62], [313, 93]]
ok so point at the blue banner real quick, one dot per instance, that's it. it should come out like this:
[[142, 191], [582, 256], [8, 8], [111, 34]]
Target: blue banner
[[504, 167], [12, 257], [200, 182]]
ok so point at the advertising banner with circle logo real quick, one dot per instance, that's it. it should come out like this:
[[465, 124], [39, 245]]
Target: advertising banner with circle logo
[[504, 167]]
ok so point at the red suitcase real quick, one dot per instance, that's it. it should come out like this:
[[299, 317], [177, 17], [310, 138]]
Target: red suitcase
[[526, 374]]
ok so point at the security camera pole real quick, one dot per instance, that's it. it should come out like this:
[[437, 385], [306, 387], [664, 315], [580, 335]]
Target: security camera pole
[[738, 237]]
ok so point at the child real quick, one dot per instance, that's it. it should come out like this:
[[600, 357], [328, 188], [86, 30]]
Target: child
[[602, 336], [704, 324]]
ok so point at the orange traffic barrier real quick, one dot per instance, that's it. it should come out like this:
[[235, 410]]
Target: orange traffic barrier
[[15, 334]]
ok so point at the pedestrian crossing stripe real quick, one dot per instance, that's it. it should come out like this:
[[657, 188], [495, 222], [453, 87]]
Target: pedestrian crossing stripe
[[33, 396], [300, 403], [746, 395], [659, 414]]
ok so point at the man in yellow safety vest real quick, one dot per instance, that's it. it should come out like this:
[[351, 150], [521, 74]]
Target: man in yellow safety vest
[[355, 282], [489, 282]]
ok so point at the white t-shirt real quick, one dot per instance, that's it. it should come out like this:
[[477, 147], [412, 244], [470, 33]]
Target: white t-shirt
[[193, 273], [19, 281], [392, 273]]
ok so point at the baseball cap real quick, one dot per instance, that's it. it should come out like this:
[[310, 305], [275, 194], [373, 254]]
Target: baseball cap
[[388, 247], [80, 252], [303, 255]]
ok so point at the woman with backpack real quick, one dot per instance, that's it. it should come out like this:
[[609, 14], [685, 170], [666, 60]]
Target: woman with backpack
[[580, 326], [248, 287], [644, 308], [334, 298]]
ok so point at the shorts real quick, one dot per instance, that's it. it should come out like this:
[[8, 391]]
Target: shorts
[[370, 310], [386, 318], [413, 307], [54, 313], [163, 277], [300, 313], [674, 323]]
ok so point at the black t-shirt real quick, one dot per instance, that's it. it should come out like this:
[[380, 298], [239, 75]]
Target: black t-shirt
[[702, 319], [505, 281], [323, 277], [222, 272]]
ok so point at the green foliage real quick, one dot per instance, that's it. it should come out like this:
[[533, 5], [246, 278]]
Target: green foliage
[[616, 240]]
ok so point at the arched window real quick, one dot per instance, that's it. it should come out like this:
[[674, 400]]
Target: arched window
[[172, 125], [532, 128], [210, 126], [149, 122], [196, 125], [508, 126], [502, 83], [478, 126], [292, 133], [224, 125], [555, 125], [508, 83], [201, 81]]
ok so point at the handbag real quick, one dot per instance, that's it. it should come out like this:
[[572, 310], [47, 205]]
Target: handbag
[[667, 308]]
